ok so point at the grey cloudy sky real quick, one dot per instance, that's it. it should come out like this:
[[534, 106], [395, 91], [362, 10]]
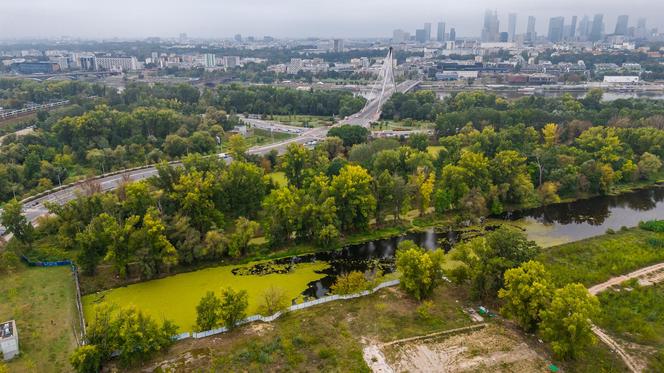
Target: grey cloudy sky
[[290, 18]]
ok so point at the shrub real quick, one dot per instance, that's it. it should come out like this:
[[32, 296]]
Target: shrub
[[424, 310], [274, 300], [652, 225], [8, 262], [350, 283]]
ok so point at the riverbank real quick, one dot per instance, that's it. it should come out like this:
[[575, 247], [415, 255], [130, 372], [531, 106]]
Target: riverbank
[[548, 225]]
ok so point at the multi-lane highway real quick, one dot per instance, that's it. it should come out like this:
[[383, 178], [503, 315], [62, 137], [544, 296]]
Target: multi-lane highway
[[371, 111], [34, 208]]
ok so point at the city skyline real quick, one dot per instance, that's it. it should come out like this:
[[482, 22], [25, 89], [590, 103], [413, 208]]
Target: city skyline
[[293, 18]]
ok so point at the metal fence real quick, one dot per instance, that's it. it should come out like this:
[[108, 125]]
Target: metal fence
[[294, 307]]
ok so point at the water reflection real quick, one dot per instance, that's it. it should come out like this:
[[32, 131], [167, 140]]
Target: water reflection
[[566, 222], [549, 225]]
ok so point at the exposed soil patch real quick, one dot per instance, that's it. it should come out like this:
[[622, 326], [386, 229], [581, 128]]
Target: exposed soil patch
[[493, 347]]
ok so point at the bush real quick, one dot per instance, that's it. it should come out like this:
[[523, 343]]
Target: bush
[[86, 359], [8, 262], [274, 300], [652, 225], [424, 310], [610, 231], [350, 283]]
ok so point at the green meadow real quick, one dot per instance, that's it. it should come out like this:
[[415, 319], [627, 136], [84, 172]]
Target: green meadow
[[175, 297]]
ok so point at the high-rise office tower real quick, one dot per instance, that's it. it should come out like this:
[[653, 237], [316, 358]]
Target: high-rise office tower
[[440, 36], [556, 26], [572, 28], [597, 28], [490, 31], [641, 29], [421, 35], [452, 34], [621, 25], [338, 45], [400, 36], [511, 26], [531, 35], [584, 28], [427, 30]]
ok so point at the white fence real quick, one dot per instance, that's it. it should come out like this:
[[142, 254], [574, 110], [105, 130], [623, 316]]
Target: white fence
[[294, 307]]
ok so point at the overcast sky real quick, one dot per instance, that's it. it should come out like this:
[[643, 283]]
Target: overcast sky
[[291, 18]]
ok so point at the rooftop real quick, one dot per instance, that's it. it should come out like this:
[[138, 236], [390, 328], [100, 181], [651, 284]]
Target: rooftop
[[7, 329]]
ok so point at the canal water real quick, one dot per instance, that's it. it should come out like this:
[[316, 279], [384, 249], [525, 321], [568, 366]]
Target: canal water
[[548, 226]]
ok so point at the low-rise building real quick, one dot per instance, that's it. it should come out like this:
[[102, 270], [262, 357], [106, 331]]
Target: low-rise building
[[9, 339], [621, 79]]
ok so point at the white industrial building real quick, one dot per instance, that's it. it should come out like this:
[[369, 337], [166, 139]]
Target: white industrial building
[[622, 79]]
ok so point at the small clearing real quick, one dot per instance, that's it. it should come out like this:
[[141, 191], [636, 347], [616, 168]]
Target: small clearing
[[492, 347]]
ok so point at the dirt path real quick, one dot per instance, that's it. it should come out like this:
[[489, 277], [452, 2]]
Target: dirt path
[[615, 346], [646, 276], [647, 273]]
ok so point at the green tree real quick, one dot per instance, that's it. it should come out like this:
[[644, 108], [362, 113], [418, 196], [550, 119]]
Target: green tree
[[355, 202], [350, 135], [419, 141], [280, 211], [294, 162], [421, 270], [151, 246], [526, 293], [208, 312], [16, 223], [237, 147], [487, 258], [233, 306], [94, 242], [566, 322], [649, 165], [239, 240]]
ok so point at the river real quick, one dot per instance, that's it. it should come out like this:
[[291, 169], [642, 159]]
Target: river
[[548, 226]]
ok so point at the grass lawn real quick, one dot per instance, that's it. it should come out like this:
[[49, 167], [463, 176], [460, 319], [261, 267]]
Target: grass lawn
[[636, 316], [308, 121], [597, 259], [43, 303], [175, 297], [325, 338], [403, 125], [263, 137]]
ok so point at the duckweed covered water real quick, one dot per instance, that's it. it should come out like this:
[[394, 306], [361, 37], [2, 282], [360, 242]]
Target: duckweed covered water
[[175, 297]]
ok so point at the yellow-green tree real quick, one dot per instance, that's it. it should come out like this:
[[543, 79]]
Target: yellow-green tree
[[355, 202], [421, 270], [566, 321], [527, 291]]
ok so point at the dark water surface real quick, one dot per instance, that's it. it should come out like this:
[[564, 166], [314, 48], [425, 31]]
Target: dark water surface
[[549, 225]]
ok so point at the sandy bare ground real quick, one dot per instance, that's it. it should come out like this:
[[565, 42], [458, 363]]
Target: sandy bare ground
[[491, 347], [647, 275]]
